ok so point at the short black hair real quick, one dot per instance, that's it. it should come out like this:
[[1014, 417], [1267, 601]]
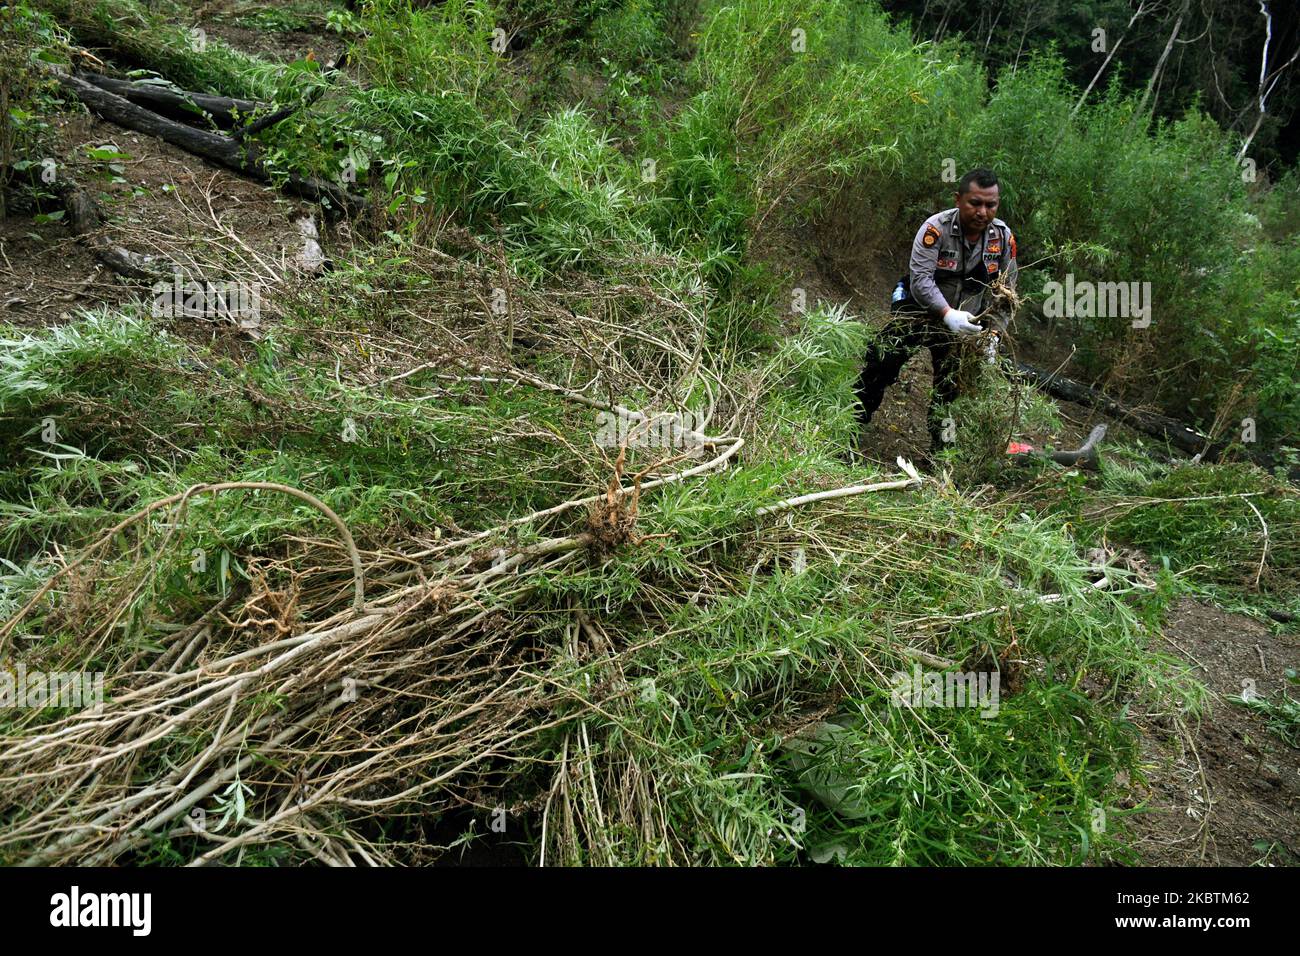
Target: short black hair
[[984, 178]]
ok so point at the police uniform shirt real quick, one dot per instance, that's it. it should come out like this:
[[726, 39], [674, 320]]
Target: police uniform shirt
[[946, 270]]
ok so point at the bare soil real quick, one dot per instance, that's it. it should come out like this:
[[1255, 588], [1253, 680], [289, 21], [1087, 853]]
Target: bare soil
[[162, 203], [1223, 790], [282, 46]]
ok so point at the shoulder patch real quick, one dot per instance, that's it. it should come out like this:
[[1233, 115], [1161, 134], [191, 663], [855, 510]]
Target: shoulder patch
[[930, 237], [1012, 236]]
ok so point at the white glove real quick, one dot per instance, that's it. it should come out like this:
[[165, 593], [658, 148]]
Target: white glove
[[960, 322]]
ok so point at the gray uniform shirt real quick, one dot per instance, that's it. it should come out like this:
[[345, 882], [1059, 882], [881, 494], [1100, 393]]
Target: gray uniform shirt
[[946, 270]]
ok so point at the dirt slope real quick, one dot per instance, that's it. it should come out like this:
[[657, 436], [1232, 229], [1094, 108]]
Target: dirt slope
[[1218, 787]]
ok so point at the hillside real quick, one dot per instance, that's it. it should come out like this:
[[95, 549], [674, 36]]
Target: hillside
[[435, 427]]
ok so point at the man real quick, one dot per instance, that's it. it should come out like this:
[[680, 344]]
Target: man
[[956, 255]]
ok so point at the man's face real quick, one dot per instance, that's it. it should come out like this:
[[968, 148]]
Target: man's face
[[977, 207]]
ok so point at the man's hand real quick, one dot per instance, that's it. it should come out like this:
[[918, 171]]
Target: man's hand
[[960, 322]]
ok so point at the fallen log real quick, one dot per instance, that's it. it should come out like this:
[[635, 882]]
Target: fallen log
[[84, 221], [1159, 426], [1183, 437], [82, 217], [216, 148], [225, 111]]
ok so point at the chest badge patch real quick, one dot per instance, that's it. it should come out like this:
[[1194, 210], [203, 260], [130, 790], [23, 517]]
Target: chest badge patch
[[930, 237], [947, 264]]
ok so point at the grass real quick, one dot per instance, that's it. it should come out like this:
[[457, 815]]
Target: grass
[[735, 670]]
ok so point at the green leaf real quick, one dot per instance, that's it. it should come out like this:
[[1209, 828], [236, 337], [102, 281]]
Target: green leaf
[[104, 154]]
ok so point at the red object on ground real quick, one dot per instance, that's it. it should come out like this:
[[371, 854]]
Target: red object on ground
[[1019, 448]]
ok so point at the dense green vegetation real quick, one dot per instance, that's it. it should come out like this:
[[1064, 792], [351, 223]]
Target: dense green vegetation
[[1212, 62], [633, 685]]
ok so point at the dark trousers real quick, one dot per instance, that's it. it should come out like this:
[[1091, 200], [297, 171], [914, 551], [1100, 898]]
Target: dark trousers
[[900, 338]]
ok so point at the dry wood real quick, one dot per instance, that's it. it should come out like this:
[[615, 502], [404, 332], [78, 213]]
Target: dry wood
[[242, 157]]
